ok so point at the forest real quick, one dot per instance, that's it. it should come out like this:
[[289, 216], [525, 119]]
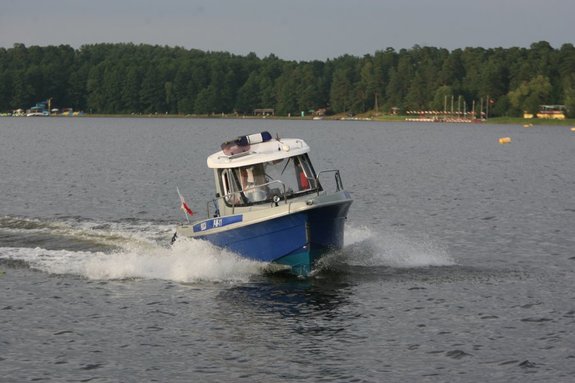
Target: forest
[[125, 78]]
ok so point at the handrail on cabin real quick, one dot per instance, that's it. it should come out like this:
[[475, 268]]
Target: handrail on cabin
[[338, 182], [232, 197]]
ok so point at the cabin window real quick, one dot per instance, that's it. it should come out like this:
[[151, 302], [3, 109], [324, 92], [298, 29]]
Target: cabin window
[[260, 183], [296, 173], [230, 187], [304, 173]]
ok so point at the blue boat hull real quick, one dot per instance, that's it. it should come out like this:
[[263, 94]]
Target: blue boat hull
[[296, 240]]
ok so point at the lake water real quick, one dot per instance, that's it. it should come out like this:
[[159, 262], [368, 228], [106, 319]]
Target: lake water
[[458, 263]]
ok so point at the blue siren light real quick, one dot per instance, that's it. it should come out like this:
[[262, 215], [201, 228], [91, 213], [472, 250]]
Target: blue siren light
[[242, 143]]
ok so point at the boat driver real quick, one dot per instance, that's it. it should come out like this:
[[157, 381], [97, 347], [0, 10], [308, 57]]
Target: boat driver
[[251, 177]]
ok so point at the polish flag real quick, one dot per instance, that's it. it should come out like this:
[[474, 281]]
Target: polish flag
[[186, 208]]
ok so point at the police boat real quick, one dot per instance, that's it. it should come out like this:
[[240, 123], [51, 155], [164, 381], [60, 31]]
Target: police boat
[[271, 205]]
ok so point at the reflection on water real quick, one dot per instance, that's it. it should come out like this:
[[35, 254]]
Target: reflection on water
[[291, 297]]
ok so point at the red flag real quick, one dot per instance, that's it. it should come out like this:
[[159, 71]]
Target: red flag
[[186, 208]]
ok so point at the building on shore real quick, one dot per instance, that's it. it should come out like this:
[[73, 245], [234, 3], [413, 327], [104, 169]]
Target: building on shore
[[548, 112]]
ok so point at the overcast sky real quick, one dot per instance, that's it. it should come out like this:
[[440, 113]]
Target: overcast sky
[[290, 29]]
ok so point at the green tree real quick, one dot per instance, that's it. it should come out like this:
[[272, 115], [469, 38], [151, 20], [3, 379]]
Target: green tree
[[207, 101], [129, 78], [566, 71], [530, 95], [96, 98], [311, 88], [249, 95], [400, 80], [441, 97], [130, 92], [416, 97], [286, 91], [344, 87], [152, 92]]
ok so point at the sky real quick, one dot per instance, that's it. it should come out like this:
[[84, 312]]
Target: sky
[[301, 30]]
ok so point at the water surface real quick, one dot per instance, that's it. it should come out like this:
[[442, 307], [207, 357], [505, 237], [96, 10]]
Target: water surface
[[458, 263]]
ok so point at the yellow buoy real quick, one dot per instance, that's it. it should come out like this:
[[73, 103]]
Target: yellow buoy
[[505, 140], [573, 129]]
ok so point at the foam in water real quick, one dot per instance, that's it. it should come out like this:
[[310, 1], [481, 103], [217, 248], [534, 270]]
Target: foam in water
[[186, 261], [105, 233], [366, 248], [142, 253]]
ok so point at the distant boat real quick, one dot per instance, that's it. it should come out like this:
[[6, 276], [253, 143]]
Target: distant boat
[[270, 205], [38, 114], [41, 109]]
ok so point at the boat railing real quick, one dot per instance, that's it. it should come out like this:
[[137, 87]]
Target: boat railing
[[337, 177], [232, 198]]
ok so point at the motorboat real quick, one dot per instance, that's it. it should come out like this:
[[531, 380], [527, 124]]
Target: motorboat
[[270, 205]]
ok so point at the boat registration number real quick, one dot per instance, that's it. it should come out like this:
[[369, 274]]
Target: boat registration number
[[214, 223]]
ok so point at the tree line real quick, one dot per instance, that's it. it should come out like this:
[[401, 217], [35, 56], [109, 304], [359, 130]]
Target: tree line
[[129, 78]]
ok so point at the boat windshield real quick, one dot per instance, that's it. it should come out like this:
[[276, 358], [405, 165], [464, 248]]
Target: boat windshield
[[259, 183]]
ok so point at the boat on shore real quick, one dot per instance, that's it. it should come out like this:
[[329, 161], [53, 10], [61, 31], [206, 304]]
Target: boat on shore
[[271, 205]]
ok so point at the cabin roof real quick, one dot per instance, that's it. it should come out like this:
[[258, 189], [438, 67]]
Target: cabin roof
[[257, 153]]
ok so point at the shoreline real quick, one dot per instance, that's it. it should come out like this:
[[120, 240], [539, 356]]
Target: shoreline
[[381, 119]]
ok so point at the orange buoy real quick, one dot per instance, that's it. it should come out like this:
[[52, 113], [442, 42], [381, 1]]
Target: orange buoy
[[505, 140]]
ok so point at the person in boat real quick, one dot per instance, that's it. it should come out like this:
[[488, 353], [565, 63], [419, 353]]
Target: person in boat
[[252, 179], [262, 182]]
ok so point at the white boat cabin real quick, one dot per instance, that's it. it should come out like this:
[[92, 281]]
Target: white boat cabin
[[262, 173]]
